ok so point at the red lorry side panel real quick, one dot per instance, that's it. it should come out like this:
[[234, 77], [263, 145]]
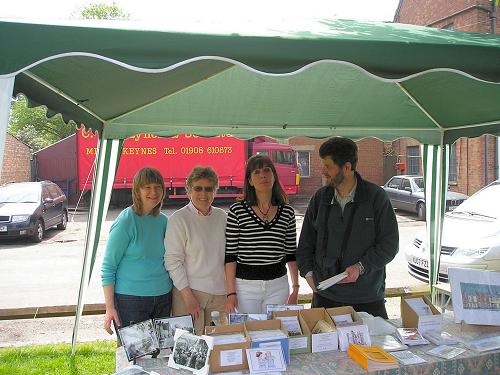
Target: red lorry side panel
[[173, 157]]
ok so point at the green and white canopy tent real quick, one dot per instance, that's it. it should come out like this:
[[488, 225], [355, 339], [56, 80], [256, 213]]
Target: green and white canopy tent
[[319, 79]]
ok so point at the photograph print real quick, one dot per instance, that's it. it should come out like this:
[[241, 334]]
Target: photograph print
[[165, 328], [190, 352], [139, 339]]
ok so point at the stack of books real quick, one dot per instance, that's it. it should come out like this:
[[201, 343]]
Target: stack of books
[[372, 358]]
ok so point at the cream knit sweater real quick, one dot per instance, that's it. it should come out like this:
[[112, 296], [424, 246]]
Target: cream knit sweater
[[195, 249]]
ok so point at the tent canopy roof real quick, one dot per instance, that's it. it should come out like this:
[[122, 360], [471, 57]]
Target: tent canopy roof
[[330, 77]]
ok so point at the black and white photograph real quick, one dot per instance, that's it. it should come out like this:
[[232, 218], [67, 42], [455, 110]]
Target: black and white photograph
[[191, 352], [165, 328], [276, 307], [238, 318], [139, 339]]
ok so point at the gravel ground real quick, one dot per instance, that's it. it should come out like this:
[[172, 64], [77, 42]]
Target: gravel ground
[[51, 330], [23, 332]]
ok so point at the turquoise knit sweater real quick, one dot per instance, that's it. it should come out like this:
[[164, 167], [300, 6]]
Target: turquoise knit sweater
[[133, 260]]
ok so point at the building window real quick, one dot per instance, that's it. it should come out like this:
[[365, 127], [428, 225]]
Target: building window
[[304, 163], [452, 172], [413, 159]]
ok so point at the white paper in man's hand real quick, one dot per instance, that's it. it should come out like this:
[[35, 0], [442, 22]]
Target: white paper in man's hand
[[332, 281]]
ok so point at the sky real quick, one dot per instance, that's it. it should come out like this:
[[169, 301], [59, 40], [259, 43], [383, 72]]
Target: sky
[[206, 12]]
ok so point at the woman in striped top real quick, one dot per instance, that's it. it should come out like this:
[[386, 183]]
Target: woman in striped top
[[260, 240]]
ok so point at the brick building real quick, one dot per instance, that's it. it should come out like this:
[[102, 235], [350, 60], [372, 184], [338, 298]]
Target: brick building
[[370, 165], [473, 162], [16, 161]]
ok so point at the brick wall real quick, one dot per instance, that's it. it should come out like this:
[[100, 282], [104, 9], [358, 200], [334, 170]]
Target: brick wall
[[370, 162], [16, 161], [463, 15]]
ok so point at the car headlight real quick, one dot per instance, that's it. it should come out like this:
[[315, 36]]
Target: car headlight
[[471, 252], [20, 218]]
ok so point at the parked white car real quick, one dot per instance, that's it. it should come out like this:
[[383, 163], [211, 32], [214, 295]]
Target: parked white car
[[471, 237]]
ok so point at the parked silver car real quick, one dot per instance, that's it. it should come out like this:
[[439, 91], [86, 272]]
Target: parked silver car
[[471, 237], [407, 194], [29, 208]]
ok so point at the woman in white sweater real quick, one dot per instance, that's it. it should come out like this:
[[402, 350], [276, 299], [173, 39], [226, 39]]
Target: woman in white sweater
[[196, 246]]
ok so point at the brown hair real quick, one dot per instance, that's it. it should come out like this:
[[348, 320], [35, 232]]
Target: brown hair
[[278, 197], [200, 172], [143, 177]]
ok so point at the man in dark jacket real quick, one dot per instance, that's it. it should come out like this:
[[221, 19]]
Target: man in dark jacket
[[349, 226]]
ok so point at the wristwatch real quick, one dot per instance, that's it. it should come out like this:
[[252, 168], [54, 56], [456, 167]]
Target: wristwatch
[[361, 268]]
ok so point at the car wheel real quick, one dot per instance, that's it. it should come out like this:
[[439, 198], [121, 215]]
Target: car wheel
[[421, 211], [64, 221], [39, 231]]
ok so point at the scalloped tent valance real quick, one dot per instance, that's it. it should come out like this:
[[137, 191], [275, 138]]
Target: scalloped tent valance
[[349, 78]]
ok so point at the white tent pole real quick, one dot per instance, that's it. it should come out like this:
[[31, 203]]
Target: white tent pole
[[108, 155], [436, 183], [6, 90]]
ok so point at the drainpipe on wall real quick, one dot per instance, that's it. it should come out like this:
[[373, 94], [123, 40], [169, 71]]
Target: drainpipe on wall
[[493, 18], [497, 158], [485, 161]]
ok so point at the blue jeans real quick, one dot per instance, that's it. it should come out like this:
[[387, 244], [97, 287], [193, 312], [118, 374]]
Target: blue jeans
[[135, 309]]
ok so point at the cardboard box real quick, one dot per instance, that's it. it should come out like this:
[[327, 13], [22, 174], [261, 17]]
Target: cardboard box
[[299, 343], [320, 342], [259, 325], [228, 350], [424, 323], [344, 310]]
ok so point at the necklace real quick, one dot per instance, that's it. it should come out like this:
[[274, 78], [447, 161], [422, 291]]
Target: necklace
[[265, 217]]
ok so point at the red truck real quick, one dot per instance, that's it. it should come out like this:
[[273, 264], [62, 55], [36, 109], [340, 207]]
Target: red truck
[[173, 157]]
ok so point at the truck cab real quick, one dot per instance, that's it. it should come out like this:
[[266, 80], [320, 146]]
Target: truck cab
[[285, 162]]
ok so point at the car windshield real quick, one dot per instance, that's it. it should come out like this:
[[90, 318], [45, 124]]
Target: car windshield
[[19, 194], [419, 182], [484, 203]]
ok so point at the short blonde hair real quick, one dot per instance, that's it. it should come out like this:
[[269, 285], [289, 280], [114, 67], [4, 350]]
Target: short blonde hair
[[200, 172], [143, 177]]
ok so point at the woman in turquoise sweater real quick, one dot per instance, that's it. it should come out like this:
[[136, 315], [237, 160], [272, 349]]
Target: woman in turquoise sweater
[[136, 285]]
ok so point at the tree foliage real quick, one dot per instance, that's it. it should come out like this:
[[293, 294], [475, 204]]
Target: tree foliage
[[102, 11], [31, 125]]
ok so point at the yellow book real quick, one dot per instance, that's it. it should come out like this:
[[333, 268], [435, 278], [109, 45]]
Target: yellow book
[[371, 358]]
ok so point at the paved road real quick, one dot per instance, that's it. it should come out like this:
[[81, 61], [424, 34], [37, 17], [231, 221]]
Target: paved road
[[49, 273]]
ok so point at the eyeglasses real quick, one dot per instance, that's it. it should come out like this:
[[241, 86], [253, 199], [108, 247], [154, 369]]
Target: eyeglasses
[[207, 189]]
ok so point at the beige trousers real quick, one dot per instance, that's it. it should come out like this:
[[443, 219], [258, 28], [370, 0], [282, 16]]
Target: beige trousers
[[208, 303]]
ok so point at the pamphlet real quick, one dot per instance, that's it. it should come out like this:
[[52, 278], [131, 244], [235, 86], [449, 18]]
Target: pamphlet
[[264, 360], [354, 334], [342, 319], [388, 343], [411, 336], [291, 324], [441, 338], [484, 344], [322, 327], [446, 352], [325, 284], [266, 334], [276, 307], [408, 358], [228, 338]]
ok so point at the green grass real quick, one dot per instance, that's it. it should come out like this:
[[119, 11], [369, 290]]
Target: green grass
[[91, 358]]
